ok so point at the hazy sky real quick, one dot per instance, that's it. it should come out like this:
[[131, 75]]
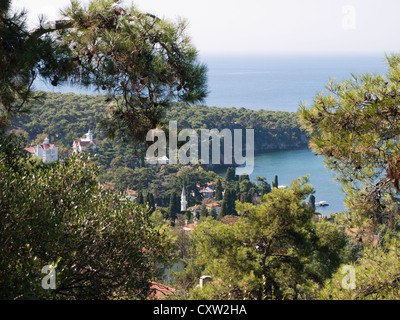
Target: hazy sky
[[272, 26]]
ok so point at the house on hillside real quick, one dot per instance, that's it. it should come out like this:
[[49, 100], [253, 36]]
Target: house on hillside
[[109, 186], [83, 144], [213, 205], [208, 192], [131, 194], [45, 151], [159, 291]]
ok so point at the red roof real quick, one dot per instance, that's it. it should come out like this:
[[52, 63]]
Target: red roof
[[212, 204], [85, 143], [46, 146], [191, 226], [130, 192], [159, 291], [30, 149]]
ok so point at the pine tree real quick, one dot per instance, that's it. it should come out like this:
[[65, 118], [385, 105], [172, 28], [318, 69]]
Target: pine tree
[[355, 126], [263, 186], [103, 35]]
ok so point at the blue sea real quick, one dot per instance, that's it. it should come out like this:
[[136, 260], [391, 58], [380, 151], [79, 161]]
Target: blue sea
[[280, 82]]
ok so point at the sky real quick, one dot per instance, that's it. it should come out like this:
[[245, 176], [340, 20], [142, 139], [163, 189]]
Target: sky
[[270, 26]]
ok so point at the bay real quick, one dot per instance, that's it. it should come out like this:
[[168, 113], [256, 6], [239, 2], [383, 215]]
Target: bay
[[293, 164]]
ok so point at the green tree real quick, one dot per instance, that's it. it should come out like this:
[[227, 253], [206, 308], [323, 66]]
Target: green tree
[[95, 239], [376, 276], [93, 46], [174, 207], [275, 183], [273, 250], [311, 202], [213, 212], [218, 190], [140, 198], [228, 203], [230, 175], [204, 211], [25, 56], [150, 201], [142, 61], [264, 186], [356, 128]]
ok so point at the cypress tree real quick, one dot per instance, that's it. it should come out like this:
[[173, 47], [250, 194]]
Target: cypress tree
[[213, 212], [174, 207], [150, 200], [140, 198], [203, 211], [311, 202], [275, 183], [230, 174], [228, 204], [218, 190]]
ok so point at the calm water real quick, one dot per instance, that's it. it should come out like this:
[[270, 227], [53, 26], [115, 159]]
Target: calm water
[[279, 83], [290, 165], [269, 82]]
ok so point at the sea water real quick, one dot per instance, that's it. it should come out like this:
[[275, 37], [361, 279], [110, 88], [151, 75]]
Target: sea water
[[282, 82]]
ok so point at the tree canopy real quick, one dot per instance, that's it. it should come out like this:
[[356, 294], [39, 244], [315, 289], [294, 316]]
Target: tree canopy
[[141, 61], [100, 244], [356, 127]]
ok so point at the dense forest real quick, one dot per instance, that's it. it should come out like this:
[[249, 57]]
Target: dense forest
[[68, 116]]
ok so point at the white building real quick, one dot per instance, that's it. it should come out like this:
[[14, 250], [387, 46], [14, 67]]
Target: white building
[[183, 200], [45, 151], [82, 144]]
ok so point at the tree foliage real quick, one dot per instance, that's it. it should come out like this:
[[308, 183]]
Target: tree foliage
[[274, 250], [142, 61], [101, 244], [355, 126], [23, 59], [376, 276]]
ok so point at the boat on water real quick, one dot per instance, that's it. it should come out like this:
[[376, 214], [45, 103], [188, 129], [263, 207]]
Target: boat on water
[[323, 204]]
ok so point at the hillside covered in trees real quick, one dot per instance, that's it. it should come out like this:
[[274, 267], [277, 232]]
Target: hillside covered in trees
[[68, 116]]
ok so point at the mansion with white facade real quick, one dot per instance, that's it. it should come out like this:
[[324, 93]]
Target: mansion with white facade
[[45, 151]]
